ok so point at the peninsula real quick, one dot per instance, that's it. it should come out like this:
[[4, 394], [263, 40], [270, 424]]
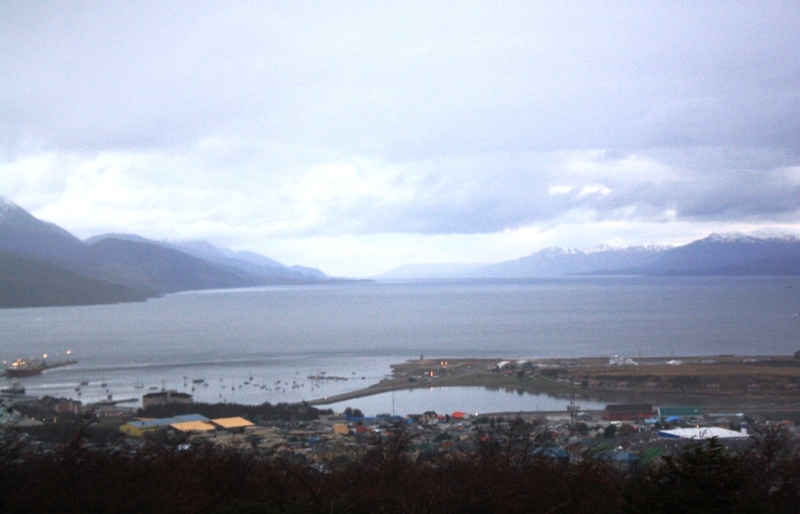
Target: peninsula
[[723, 381]]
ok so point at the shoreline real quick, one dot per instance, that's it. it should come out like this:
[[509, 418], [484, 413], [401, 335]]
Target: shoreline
[[754, 383]]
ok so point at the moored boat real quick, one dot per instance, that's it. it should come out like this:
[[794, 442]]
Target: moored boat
[[16, 388]]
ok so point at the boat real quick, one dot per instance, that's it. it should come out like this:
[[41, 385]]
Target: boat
[[23, 368], [16, 388]]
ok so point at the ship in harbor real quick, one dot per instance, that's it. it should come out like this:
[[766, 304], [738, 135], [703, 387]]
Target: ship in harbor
[[22, 368]]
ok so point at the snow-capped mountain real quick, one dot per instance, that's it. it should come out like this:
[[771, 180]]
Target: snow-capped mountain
[[764, 252], [555, 261], [732, 254]]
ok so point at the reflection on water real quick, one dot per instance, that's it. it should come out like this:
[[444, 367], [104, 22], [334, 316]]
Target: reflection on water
[[446, 400]]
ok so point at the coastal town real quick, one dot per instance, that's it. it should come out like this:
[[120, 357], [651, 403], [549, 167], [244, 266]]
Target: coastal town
[[649, 410], [359, 460]]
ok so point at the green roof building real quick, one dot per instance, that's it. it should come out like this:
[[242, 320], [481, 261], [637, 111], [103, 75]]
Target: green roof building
[[679, 412]]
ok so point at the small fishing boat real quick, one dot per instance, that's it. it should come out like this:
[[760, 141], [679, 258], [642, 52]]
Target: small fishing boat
[[16, 388]]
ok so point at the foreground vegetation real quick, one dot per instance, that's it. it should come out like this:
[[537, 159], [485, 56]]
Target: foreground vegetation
[[513, 473]]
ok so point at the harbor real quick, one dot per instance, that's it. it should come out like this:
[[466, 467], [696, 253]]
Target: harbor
[[476, 385], [251, 382]]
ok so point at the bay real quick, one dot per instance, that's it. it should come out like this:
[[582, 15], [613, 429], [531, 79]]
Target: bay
[[261, 344]]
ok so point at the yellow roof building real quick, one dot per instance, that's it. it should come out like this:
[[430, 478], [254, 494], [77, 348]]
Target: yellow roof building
[[232, 423], [194, 426]]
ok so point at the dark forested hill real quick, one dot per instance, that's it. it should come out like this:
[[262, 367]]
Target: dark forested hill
[[30, 283]]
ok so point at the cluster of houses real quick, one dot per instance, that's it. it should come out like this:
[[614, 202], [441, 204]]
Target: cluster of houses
[[626, 434], [700, 425], [187, 423]]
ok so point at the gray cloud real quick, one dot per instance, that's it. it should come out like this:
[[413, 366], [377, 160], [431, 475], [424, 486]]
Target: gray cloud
[[458, 118]]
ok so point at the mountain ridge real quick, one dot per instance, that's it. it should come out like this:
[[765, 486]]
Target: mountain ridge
[[246, 261], [763, 252], [122, 267], [31, 283]]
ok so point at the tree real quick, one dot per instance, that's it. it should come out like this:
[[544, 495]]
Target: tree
[[771, 447], [771, 441], [353, 413], [702, 478]]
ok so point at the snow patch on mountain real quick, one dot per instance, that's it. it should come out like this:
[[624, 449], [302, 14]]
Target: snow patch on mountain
[[764, 234], [775, 234], [604, 248], [557, 251], [730, 237], [7, 206], [648, 248]]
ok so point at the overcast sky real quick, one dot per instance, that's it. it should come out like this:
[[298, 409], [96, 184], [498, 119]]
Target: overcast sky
[[357, 136]]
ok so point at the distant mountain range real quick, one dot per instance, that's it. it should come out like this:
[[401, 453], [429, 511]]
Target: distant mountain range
[[718, 254], [42, 264]]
